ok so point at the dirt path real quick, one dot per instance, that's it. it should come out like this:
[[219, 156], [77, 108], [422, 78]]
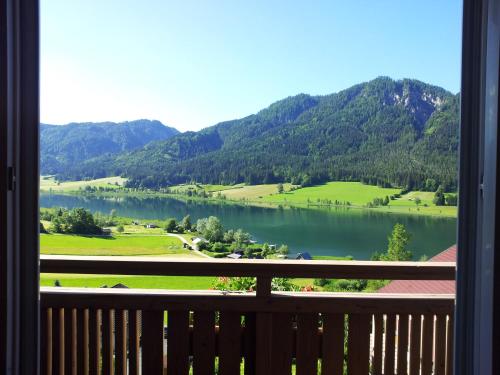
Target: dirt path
[[189, 244]]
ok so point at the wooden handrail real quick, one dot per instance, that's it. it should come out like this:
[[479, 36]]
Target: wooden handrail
[[244, 302], [126, 265]]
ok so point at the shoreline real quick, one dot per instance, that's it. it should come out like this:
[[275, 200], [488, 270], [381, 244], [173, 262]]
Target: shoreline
[[398, 210]]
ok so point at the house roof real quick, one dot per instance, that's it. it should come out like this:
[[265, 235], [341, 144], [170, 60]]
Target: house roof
[[426, 286], [234, 256]]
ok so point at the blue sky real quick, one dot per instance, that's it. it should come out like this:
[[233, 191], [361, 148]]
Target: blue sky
[[191, 64]]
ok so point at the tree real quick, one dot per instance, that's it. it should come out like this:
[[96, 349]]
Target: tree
[[283, 250], [241, 237], [280, 188], [229, 236], [398, 240], [171, 225], [42, 228], [418, 201], [386, 201], [211, 229], [120, 229], [451, 200], [439, 199], [186, 222], [266, 250]]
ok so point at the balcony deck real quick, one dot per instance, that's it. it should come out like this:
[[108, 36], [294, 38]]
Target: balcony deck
[[132, 331]]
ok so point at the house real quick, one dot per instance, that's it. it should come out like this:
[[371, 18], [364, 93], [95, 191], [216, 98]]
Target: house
[[106, 231], [302, 256], [120, 286], [234, 256], [150, 226], [426, 286]]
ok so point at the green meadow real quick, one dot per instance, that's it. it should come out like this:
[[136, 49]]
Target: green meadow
[[356, 193], [157, 245]]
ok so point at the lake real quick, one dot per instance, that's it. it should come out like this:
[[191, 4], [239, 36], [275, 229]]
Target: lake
[[337, 232]]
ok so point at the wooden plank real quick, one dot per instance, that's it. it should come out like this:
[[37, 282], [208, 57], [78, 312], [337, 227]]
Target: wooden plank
[[120, 342], [307, 344], [449, 345], [152, 342], [177, 343], [263, 348], [427, 343], [204, 343], [282, 344], [107, 342], [94, 341], [58, 342], [229, 343], [249, 342], [402, 358], [45, 341], [266, 268], [81, 350], [390, 339], [278, 301], [332, 362], [358, 344], [378, 343], [440, 346], [69, 349], [133, 345], [415, 337]]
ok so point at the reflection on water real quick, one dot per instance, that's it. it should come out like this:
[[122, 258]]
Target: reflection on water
[[321, 232]]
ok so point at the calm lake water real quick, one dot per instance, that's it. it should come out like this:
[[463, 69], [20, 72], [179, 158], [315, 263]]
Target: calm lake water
[[321, 232]]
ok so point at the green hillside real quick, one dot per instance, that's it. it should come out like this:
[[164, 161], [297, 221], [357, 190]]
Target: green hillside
[[383, 132]]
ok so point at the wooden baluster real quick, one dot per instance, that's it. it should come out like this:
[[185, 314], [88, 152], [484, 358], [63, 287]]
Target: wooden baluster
[[249, 342], [120, 342], [229, 343], [427, 342], [282, 344], [378, 343], [45, 341], [415, 343], [68, 341], [402, 359], [264, 324], [440, 346], [81, 350], [133, 345], [390, 338], [177, 343], [94, 341], [449, 345], [358, 344], [204, 343], [307, 344], [58, 342], [332, 362], [107, 342]]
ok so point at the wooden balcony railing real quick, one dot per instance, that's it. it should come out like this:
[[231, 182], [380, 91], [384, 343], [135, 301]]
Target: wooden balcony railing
[[132, 331]]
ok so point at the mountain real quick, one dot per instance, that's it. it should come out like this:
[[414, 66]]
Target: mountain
[[401, 133], [64, 146]]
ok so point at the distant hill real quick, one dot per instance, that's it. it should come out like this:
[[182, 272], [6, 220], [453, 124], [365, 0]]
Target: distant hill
[[386, 132], [63, 147]]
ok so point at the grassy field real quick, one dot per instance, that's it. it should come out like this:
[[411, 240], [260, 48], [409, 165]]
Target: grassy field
[[48, 183], [356, 193], [142, 282], [253, 192], [61, 244]]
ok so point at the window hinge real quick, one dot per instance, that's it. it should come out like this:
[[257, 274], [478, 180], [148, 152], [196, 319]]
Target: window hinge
[[11, 179]]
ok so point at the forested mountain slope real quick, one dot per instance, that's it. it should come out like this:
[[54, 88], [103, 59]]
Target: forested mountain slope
[[63, 147], [401, 133]]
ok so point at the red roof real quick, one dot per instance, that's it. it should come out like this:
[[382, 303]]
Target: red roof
[[426, 286]]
